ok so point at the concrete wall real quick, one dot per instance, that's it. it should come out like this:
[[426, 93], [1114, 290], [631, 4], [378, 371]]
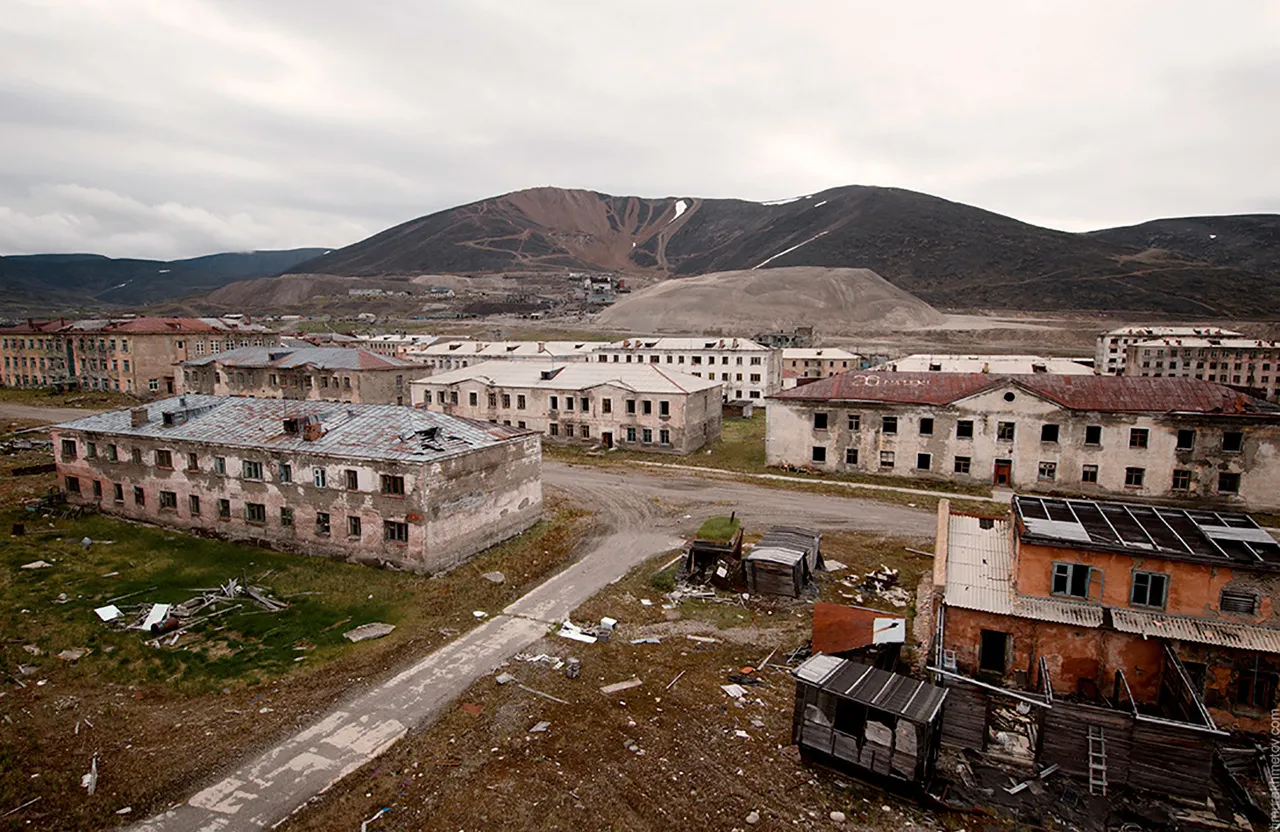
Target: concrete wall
[[453, 508], [714, 364], [693, 420], [380, 386], [791, 437]]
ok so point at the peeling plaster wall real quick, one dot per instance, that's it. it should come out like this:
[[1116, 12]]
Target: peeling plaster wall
[[373, 386]]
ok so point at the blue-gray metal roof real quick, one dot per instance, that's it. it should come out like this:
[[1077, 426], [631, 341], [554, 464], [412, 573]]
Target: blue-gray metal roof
[[356, 431]]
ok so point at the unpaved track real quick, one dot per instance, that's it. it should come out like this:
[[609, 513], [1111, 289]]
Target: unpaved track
[[642, 513], [37, 413]]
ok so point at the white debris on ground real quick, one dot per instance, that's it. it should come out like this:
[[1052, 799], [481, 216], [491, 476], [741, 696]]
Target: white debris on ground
[[365, 632]]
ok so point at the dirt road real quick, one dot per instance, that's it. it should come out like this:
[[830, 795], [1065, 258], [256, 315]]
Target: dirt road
[[37, 413], [643, 514]]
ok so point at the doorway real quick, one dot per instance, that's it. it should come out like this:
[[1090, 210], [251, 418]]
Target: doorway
[[606, 439], [993, 651], [1004, 472]]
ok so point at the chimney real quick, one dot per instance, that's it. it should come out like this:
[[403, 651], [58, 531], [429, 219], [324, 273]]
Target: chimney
[[138, 416], [542, 346]]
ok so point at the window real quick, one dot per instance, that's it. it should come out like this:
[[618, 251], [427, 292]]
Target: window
[[285, 472], [473, 398], [453, 397], [320, 477], [585, 431], [555, 402], [193, 505], [819, 421], [322, 523], [255, 513], [1241, 602], [1093, 435], [393, 531], [855, 421], [818, 454], [136, 455], [1232, 441], [97, 489], [1133, 477], [193, 462], [1149, 589], [850, 456], [1048, 472], [113, 453], [555, 429], [926, 427], [586, 405], [68, 449], [631, 407], [73, 485], [1138, 437], [1089, 473], [520, 400], [251, 470], [568, 430], [392, 484], [1186, 440], [220, 465], [139, 496], [606, 405], [224, 509], [1005, 431], [117, 492], [962, 464], [1071, 579], [646, 407], [889, 424], [886, 459], [924, 462], [631, 434], [168, 500], [352, 479], [646, 436], [1228, 482], [286, 517], [964, 429], [1256, 688], [664, 437], [1048, 433]]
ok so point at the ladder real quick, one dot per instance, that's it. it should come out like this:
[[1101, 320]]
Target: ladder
[[1097, 761]]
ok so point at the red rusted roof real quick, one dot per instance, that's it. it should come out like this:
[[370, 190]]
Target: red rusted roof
[[837, 628], [1106, 394]]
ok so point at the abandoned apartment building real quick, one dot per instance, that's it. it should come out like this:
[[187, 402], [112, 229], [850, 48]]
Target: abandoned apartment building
[[1111, 350], [1250, 364], [816, 362], [334, 374], [1139, 635], [375, 483], [456, 354], [640, 407], [1174, 439], [747, 371]]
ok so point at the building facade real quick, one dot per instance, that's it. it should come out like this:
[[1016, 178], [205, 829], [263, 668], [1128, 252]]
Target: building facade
[[1144, 438], [374, 483], [396, 345], [1088, 592], [640, 407], [127, 355], [1004, 364], [747, 371], [816, 362], [1249, 364], [1111, 353], [454, 355], [333, 374]]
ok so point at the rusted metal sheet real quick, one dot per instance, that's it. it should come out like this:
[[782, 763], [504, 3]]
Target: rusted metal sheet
[[837, 628]]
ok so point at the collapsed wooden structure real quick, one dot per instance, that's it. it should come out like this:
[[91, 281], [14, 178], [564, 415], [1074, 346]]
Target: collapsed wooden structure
[[783, 561]]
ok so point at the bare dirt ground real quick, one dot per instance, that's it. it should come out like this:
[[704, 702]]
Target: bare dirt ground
[[17, 411]]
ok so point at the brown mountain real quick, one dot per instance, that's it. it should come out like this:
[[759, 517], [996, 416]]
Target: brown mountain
[[946, 253]]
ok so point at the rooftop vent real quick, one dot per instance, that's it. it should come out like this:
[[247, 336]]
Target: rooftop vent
[[138, 416], [547, 375], [276, 356], [936, 367]]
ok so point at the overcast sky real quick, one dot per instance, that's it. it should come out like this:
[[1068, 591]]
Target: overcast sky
[[168, 128]]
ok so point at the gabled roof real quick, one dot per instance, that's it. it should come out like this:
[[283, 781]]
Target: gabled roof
[[321, 358], [1091, 393], [572, 375]]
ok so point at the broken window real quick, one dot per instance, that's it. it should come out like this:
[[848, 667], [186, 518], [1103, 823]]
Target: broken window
[[585, 405], [1149, 589], [924, 462], [473, 398], [568, 402], [319, 477], [520, 402], [1133, 477], [1256, 688], [393, 531], [169, 500], [886, 459], [220, 465], [964, 429], [136, 456], [68, 449], [286, 517], [818, 454], [1089, 473], [97, 489], [322, 523], [193, 505], [113, 453], [1181, 480], [850, 456], [224, 509], [664, 408], [926, 427], [889, 424], [962, 465], [1048, 472], [584, 431], [73, 485], [1005, 431], [1048, 433], [855, 421], [1228, 482], [353, 527], [1071, 579], [1232, 441], [139, 496], [1186, 440], [251, 470], [819, 421], [392, 484], [606, 405], [1138, 437], [117, 492], [646, 407]]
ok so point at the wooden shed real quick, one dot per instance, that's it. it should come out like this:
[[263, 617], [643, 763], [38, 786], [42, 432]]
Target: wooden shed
[[867, 718], [783, 561]]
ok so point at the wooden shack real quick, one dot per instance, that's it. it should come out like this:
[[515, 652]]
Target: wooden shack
[[868, 719], [716, 559], [784, 560]]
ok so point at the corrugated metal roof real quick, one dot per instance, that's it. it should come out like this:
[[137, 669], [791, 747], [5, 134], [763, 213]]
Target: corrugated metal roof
[[574, 375], [685, 344], [1090, 393], [787, 545], [287, 358], [356, 431], [818, 668], [1199, 630], [902, 696]]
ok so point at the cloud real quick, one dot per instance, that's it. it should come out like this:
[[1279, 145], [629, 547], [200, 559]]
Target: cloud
[[179, 127]]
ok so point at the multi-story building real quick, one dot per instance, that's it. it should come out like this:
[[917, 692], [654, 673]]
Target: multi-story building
[[396, 345], [128, 355], [453, 355], [369, 482], [1250, 364], [641, 407], [1086, 592], [1152, 438], [1006, 364], [746, 370], [1110, 354], [334, 374], [816, 362]]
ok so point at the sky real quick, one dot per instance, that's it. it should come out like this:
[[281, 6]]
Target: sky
[[174, 128]]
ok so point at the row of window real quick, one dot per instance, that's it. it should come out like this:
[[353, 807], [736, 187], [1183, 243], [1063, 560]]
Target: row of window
[[645, 435], [52, 343], [1146, 589], [392, 484], [240, 377], [1232, 440], [695, 360], [583, 403], [1047, 471], [255, 514]]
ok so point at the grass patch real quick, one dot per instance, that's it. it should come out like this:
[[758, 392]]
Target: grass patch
[[48, 397], [720, 529]]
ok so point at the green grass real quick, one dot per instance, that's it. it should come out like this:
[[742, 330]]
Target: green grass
[[718, 529], [47, 397]]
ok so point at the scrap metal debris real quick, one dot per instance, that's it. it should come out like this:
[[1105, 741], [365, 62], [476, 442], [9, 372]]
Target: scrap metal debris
[[172, 620]]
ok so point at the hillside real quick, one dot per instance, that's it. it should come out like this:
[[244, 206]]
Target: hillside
[[833, 301], [945, 253], [44, 283]]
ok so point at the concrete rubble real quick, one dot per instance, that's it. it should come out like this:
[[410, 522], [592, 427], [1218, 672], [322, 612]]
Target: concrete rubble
[[366, 632]]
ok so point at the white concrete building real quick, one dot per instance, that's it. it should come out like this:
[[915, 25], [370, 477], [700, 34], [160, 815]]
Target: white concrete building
[[747, 371], [375, 483], [1240, 362], [1110, 354], [641, 407], [395, 345], [1150, 438], [816, 362], [1003, 364], [453, 355]]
